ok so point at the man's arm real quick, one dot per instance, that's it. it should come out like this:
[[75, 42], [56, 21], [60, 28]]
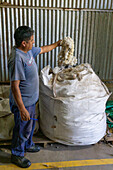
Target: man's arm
[[47, 48], [18, 99]]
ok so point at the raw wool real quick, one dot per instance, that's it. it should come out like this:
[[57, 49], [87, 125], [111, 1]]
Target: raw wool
[[65, 56], [72, 73], [72, 109]]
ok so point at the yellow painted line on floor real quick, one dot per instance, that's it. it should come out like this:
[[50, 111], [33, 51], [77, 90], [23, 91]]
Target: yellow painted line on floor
[[64, 164]]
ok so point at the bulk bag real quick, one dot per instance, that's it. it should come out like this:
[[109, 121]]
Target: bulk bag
[[72, 105]]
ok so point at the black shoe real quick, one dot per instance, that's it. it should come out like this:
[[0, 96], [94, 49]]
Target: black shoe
[[34, 148], [20, 161]]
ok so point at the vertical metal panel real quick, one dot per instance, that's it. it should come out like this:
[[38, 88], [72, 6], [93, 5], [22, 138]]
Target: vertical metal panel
[[103, 33], [33, 17], [69, 18], [25, 14], [2, 72], [77, 36], [74, 3], [91, 37], [45, 34], [49, 31], [5, 42], [21, 17], [88, 37], [37, 34], [95, 38], [86, 5], [92, 32], [84, 37], [106, 4], [8, 34], [108, 35], [110, 52], [73, 19], [41, 38], [57, 30], [12, 24], [52, 36], [16, 15], [80, 40], [8, 31]]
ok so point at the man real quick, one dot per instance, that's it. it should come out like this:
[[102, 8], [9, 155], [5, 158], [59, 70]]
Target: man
[[24, 92]]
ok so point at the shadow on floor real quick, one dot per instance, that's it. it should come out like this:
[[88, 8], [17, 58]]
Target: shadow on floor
[[61, 147], [5, 154]]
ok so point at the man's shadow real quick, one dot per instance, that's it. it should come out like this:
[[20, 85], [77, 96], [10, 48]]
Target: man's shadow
[[5, 154]]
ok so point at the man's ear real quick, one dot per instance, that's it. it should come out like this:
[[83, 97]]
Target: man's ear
[[23, 43]]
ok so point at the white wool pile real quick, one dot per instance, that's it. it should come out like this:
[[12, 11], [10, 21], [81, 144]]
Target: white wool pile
[[65, 56]]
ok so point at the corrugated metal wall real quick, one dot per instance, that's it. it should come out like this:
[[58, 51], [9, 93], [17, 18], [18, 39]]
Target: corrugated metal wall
[[88, 22]]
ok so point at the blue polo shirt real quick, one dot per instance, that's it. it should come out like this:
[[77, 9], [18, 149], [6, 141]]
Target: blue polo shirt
[[24, 68]]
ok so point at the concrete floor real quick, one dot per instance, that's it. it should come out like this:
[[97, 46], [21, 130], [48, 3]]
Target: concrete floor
[[58, 152]]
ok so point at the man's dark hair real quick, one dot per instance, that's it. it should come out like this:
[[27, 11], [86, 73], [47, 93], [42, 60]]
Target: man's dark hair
[[22, 33]]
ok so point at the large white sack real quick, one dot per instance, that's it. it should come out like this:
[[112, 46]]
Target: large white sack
[[72, 112]]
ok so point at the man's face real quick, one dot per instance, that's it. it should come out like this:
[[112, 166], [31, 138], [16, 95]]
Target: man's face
[[29, 43]]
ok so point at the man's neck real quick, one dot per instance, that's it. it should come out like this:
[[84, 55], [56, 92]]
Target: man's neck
[[22, 49]]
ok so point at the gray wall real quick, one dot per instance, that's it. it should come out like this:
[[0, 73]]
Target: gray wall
[[88, 22]]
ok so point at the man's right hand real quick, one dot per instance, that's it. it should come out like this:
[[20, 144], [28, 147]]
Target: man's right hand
[[24, 115]]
